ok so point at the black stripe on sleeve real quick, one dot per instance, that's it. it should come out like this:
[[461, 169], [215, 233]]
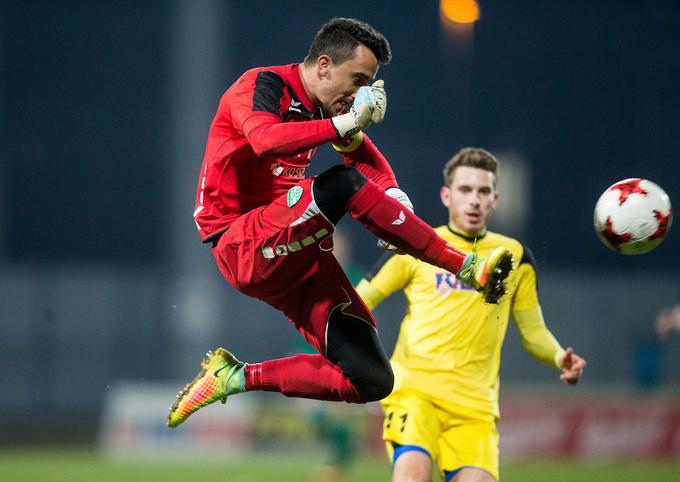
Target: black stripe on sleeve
[[268, 92], [528, 257]]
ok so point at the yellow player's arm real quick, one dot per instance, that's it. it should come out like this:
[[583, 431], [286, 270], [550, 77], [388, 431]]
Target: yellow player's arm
[[392, 276], [371, 295], [536, 338], [528, 317]]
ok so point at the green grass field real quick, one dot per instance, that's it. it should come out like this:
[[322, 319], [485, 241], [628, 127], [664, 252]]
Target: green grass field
[[51, 465]]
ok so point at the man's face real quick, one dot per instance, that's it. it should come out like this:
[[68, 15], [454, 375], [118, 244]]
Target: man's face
[[471, 199], [339, 82]]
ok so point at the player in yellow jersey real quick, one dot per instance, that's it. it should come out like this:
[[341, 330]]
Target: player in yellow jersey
[[444, 406]]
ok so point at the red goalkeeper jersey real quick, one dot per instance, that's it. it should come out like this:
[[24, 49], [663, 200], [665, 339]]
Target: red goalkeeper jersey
[[261, 140]]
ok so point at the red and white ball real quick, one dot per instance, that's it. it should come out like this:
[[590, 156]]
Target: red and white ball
[[633, 216]]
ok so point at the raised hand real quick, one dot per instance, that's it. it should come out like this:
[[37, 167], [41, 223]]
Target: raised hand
[[369, 107], [572, 366]]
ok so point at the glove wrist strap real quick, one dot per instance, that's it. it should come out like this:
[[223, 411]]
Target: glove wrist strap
[[345, 125], [350, 144]]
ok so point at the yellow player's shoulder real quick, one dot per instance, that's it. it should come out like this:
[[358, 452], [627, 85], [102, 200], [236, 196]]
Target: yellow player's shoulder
[[493, 240], [486, 243], [442, 231]]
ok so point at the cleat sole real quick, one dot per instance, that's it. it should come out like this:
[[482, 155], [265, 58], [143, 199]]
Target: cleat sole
[[496, 281]]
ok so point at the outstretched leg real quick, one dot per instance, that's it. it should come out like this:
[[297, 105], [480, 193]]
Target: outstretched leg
[[343, 189]]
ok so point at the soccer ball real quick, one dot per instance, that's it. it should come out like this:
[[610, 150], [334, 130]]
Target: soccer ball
[[633, 216]]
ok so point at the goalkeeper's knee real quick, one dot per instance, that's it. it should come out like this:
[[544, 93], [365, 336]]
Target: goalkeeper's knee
[[334, 187]]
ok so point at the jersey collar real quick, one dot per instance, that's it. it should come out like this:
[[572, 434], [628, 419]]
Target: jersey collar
[[299, 89], [464, 235]]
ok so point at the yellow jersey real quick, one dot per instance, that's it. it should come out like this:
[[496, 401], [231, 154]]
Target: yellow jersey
[[449, 344]]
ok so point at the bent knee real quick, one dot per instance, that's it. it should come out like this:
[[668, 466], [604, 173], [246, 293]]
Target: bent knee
[[344, 179], [375, 387]]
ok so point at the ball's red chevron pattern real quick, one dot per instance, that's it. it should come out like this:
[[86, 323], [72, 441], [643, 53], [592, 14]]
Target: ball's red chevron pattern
[[664, 222], [632, 186], [614, 238]]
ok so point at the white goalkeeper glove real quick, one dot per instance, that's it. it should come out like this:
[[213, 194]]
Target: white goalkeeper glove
[[398, 195], [375, 95], [369, 107]]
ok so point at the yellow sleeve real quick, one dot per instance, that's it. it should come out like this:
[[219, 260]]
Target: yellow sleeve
[[536, 338], [525, 296], [393, 276], [528, 318]]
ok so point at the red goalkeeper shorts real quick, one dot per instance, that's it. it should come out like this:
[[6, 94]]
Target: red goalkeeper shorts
[[282, 254]]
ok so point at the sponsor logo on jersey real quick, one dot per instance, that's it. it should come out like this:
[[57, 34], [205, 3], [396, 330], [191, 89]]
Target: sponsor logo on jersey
[[287, 171], [297, 109], [445, 283], [295, 106]]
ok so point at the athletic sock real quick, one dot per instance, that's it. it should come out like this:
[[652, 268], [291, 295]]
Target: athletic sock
[[306, 376]]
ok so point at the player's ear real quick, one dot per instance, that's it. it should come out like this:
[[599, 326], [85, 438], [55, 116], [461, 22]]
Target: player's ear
[[323, 65], [445, 195], [495, 199]]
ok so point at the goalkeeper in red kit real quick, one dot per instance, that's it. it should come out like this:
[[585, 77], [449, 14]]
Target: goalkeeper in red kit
[[271, 228]]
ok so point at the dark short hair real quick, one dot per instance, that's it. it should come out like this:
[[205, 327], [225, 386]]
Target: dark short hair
[[471, 157], [339, 38]]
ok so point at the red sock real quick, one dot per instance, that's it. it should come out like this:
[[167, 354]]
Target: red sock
[[306, 376], [391, 221]]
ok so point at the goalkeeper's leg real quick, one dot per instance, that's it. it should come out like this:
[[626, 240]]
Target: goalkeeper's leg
[[352, 365], [344, 189], [355, 368]]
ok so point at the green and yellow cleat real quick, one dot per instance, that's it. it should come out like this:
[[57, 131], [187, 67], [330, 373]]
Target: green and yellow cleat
[[221, 375], [487, 275]]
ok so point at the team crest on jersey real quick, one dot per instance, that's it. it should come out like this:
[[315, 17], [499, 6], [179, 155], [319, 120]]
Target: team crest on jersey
[[294, 195]]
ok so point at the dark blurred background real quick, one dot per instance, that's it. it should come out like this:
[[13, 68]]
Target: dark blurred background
[[104, 112]]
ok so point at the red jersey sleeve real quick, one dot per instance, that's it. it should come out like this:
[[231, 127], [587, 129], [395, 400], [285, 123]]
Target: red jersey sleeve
[[369, 161], [256, 107]]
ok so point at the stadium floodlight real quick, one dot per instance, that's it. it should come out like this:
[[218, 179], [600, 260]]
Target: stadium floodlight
[[460, 11]]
